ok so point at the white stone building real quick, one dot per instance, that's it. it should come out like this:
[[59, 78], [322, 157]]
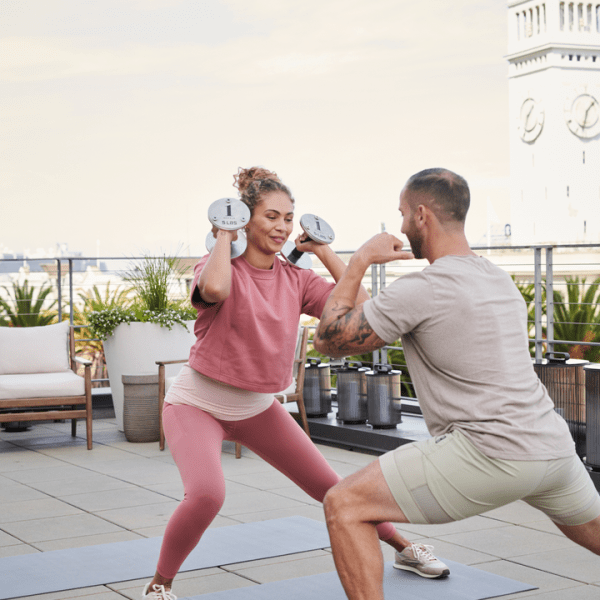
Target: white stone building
[[554, 95]]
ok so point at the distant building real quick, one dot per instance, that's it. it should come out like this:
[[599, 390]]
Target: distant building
[[554, 96]]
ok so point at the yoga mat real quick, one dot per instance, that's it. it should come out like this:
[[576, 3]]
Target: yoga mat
[[59, 570], [464, 583]]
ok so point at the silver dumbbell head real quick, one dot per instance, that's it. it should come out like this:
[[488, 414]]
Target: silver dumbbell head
[[317, 229], [295, 257], [237, 248], [228, 213]]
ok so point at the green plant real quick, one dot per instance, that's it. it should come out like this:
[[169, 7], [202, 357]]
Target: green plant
[[577, 318], [151, 279], [94, 299], [26, 309], [528, 292]]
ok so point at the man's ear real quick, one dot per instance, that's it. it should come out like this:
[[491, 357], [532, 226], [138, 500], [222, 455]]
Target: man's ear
[[421, 215]]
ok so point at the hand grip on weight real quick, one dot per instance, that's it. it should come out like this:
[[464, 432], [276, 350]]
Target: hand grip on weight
[[315, 229], [230, 214]]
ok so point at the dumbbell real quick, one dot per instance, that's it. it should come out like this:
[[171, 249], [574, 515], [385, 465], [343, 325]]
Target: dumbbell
[[229, 214], [317, 230]]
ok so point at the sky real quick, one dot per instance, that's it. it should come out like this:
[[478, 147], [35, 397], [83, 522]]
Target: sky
[[121, 121]]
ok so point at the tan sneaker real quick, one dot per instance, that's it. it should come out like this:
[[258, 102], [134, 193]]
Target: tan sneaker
[[159, 593], [419, 559]]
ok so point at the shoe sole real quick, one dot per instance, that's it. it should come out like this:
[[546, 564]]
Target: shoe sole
[[443, 574]]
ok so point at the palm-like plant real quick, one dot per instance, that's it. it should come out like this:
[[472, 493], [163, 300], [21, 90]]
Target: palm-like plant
[[577, 319], [528, 292], [94, 299], [26, 308]]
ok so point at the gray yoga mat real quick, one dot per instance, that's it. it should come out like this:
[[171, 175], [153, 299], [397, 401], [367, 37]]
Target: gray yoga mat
[[59, 570], [464, 583]]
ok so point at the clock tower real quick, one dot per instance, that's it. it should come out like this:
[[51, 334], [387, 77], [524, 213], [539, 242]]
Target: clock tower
[[554, 116]]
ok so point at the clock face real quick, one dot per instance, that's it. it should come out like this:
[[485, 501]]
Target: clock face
[[531, 120], [582, 113]]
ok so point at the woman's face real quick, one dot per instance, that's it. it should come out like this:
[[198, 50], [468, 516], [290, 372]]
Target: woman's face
[[272, 222]]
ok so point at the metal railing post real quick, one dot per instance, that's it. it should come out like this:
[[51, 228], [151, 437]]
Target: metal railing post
[[71, 291], [537, 283], [374, 292], [59, 284], [383, 351], [549, 300]]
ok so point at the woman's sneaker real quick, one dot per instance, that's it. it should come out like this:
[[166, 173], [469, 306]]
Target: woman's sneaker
[[419, 559], [158, 593]]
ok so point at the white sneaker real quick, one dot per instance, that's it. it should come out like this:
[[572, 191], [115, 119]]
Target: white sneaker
[[419, 559], [159, 593]]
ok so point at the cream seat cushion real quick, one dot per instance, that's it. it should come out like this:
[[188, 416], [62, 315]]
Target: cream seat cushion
[[34, 349], [41, 385]]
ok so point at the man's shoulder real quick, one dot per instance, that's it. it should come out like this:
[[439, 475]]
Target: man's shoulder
[[464, 265]]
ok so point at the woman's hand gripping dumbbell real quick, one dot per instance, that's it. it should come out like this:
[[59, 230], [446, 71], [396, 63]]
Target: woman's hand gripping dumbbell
[[315, 230], [230, 215]]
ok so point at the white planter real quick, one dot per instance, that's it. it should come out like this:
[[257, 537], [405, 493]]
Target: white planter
[[134, 348]]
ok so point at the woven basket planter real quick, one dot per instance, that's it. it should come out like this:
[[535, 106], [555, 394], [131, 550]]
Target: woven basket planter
[[140, 408]]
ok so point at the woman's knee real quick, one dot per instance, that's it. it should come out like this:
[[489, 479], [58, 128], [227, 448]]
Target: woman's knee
[[203, 501]]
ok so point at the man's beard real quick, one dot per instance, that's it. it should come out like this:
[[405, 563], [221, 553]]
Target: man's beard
[[415, 241]]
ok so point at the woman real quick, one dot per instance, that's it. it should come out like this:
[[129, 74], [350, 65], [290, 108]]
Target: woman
[[248, 313]]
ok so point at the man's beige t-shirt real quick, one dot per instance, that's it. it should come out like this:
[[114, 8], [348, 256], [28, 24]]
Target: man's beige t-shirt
[[463, 325]]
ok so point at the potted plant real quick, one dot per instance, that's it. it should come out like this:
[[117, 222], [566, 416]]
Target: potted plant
[[152, 327]]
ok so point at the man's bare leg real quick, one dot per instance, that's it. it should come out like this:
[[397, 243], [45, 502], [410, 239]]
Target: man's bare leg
[[586, 535], [353, 508]]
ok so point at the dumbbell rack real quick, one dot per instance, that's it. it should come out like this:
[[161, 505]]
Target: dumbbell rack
[[328, 430]]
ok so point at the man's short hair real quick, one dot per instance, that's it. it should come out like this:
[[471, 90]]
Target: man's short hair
[[448, 192]]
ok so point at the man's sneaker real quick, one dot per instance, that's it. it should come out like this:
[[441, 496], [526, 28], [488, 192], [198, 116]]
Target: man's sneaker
[[419, 559], [158, 593]]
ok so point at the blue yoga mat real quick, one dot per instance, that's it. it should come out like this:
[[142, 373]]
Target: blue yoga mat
[[59, 570], [464, 583]]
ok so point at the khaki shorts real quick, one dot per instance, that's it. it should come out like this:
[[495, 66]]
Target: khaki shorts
[[446, 479]]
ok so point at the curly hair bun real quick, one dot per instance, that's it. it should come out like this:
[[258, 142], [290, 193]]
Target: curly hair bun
[[244, 177]]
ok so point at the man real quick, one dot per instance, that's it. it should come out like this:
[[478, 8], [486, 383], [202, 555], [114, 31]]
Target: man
[[496, 436]]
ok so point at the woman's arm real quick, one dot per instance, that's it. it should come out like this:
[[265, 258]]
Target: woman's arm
[[333, 263], [214, 283]]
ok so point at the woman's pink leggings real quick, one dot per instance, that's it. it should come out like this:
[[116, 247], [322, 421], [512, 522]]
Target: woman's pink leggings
[[195, 439]]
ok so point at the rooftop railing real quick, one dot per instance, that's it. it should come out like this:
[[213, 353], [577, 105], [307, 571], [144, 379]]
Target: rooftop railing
[[560, 284]]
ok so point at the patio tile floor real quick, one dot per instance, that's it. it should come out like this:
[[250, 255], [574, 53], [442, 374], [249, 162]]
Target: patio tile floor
[[56, 494]]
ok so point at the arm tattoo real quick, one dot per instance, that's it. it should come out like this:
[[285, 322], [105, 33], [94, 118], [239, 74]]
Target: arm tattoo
[[348, 329]]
